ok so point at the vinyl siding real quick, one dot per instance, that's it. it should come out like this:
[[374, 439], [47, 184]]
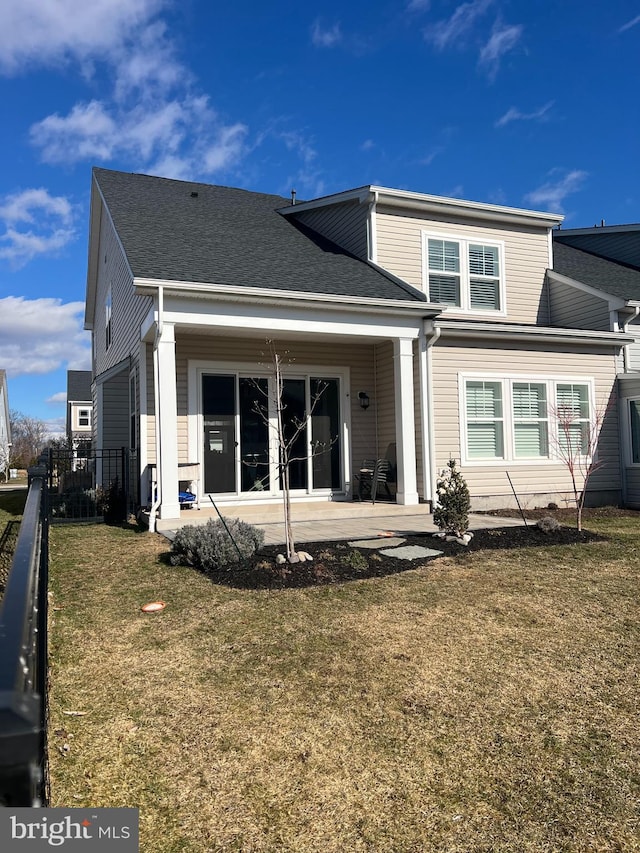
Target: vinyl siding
[[115, 398], [632, 499], [535, 482], [572, 308], [237, 352], [344, 224], [526, 252], [634, 349], [127, 309]]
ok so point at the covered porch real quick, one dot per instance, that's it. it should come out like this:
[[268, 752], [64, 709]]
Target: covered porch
[[209, 368]]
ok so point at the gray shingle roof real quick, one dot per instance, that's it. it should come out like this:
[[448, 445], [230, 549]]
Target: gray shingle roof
[[231, 236], [79, 386], [609, 276]]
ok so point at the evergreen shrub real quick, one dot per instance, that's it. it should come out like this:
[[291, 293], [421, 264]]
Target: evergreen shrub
[[453, 502], [209, 546]]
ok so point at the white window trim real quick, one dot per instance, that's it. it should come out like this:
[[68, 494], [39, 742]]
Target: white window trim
[[196, 369], [464, 241], [507, 380], [629, 432]]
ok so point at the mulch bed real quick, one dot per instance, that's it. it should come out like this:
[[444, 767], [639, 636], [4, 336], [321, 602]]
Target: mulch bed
[[338, 562]]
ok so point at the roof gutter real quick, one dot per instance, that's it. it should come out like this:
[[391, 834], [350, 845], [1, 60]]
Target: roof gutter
[[148, 287], [507, 331]]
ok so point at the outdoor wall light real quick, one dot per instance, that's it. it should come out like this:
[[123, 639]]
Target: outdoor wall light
[[364, 400]]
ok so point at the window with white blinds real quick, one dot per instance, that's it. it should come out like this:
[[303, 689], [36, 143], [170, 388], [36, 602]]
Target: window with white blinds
[[530, 419], [464, 274], [527, 420], [485, 421], [572, 413]]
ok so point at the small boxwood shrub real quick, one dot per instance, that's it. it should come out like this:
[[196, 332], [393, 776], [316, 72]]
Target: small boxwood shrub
[[209, 546]]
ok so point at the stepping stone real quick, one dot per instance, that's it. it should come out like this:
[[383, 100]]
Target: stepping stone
[[410, 552], [376, 543]]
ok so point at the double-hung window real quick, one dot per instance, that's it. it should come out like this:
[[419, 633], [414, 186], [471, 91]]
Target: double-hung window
[[530, 419], [465, 274], [485, 421], [517, 419]]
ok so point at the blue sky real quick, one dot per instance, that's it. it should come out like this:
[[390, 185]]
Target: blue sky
[[527, 104]]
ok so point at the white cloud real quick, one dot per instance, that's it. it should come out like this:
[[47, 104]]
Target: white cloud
[[38, 336], [179, 138], [57, 399], [551, 195], [629, 24], [48, 220], [514, 114], [418, 5], [42, 32], [328, 37], [503, 39], [454, 30]]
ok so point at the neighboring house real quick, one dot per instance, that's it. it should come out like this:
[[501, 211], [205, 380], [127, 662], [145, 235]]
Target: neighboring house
[[5, 426], [79, 409], [442, 312], [596, 278]]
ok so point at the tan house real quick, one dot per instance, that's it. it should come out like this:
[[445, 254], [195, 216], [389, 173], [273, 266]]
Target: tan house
[[433, 328]]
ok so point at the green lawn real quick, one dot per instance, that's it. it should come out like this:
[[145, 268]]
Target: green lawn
[[483, 703]]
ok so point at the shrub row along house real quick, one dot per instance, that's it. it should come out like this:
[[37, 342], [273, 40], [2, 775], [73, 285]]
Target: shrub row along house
[[434, 328]]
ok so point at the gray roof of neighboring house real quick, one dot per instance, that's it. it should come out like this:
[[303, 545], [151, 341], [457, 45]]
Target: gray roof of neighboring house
[[611, 277], [231, 236], [79, 386], [616, 242]]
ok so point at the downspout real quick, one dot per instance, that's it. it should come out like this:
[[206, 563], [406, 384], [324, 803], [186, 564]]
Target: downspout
[[431, 338], [156, 499], [626, 360]]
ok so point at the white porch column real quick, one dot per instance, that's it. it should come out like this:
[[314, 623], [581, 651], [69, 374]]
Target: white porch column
[[405, 421], [167, 425]]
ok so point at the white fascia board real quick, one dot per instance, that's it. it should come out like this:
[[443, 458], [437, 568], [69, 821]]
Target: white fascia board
[[615, 302], [433, 204], [95, 250], [460, 207], [263, 295], [359, 194], [292, 319], [546, 334]]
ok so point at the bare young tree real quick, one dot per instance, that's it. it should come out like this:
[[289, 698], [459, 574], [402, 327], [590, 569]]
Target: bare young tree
[[29, 437], [286, 437], [576, 445]]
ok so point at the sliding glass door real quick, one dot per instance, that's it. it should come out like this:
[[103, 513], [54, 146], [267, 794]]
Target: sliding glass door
[[241, 451]]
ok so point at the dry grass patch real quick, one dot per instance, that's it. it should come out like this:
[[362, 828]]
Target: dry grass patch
[[486, 702]]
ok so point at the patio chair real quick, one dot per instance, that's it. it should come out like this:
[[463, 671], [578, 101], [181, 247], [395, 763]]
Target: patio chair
[[374, 474]]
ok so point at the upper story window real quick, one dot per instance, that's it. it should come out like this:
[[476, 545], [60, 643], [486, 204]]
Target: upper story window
[[84, 418], [465, 274]]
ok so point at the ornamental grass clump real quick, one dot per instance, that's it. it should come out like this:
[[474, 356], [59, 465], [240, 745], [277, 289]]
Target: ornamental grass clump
[[209, 547], [453, 502]]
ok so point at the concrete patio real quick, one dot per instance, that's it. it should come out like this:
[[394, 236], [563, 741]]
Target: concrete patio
[[326, 521]]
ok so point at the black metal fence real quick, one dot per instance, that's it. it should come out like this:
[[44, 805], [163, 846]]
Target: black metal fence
[[23, 660], [98, 485]]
